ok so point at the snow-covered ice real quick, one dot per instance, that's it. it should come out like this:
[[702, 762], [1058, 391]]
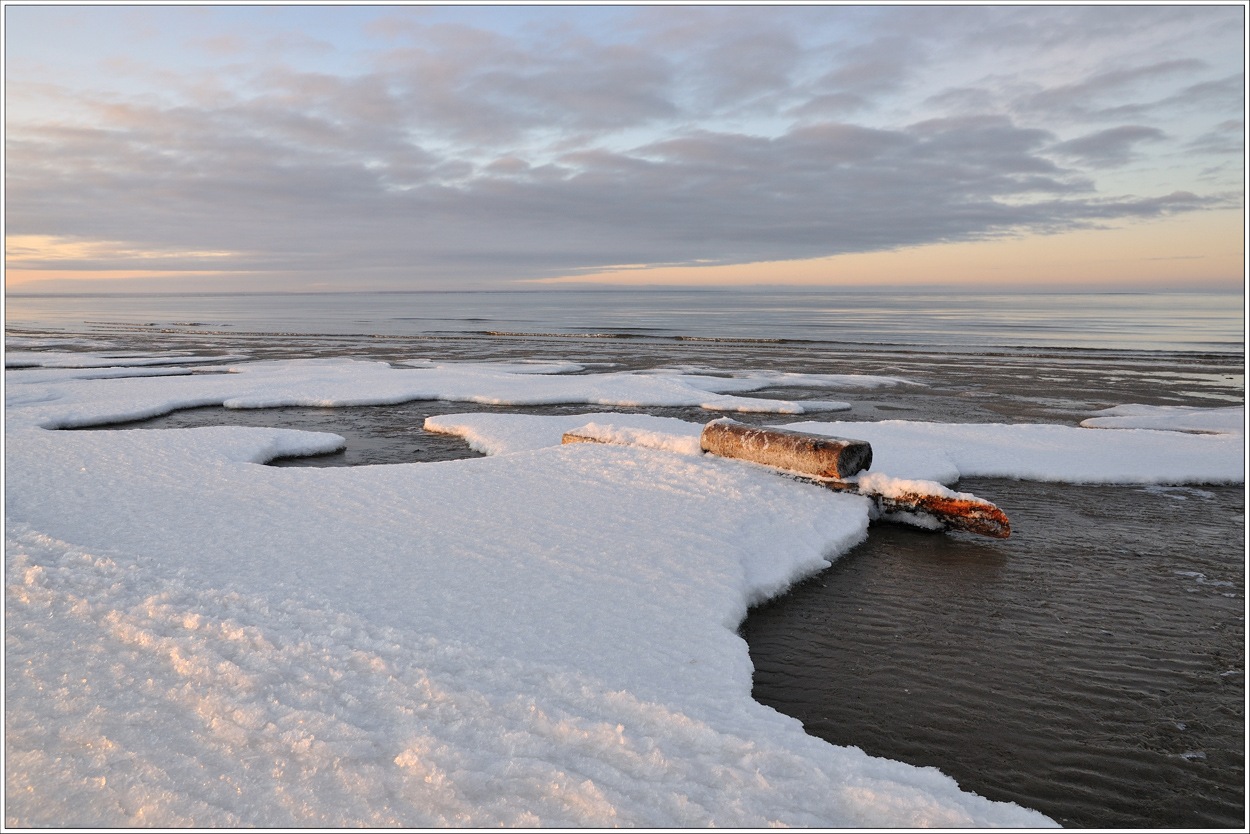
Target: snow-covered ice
[[1227, 420], [945, 452], [344, 382], [908, 450], [546, 636], [71, 359]]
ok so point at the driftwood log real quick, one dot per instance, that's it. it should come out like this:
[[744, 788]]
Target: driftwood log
[[809, 457], [962, 512], [807, 454]]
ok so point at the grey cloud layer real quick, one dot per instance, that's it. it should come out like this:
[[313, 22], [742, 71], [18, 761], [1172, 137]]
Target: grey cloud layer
[[470, 154]]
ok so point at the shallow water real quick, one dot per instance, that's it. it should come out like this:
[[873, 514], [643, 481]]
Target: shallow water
[[1091, 666], [1087, 667]]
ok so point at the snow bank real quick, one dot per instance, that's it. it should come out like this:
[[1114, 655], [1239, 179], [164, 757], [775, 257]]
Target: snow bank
[[542, 638], [1228, 420]]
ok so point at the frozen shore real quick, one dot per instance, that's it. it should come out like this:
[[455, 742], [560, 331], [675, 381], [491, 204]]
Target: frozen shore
[[542, 637]]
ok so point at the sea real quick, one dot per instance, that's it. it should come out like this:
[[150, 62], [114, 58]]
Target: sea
[[1091, 666], [923, 319]]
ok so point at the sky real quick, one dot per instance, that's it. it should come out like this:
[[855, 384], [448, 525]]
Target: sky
[[302, 147]]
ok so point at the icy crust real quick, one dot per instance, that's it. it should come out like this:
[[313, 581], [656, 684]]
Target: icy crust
[[1227, 420], [544, 637], [347, 382]]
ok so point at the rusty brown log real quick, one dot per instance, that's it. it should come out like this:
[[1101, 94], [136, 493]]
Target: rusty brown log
[[808, 454], [965, 512]]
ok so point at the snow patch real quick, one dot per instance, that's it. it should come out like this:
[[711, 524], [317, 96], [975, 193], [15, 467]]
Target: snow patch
[[630, 436], [57, 359], [1229, 420], [944, 452]]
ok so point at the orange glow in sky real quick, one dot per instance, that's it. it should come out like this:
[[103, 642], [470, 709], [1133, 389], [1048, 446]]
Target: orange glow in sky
[[1196, 251], [1203, 250]]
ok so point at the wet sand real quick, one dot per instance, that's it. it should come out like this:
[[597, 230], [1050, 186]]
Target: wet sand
[[1091, 666]]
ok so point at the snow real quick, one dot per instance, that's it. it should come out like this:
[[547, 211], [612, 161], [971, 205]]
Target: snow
[[542, 637], [66, 374], [54, 359], [878, 483], [1229, 420], [346, 382], [683, 444], [919, 455], [498, 434], [945, 452]]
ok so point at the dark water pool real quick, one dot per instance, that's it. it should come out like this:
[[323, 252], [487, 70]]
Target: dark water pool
[[1088, 667]]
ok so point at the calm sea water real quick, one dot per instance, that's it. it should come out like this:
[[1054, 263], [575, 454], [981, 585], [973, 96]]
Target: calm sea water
[[1132, 321], [1092, 666]]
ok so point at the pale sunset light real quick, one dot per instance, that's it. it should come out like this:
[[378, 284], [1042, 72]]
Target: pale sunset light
[[41, 261], [1140, 255], [468, 147], [655, 416]]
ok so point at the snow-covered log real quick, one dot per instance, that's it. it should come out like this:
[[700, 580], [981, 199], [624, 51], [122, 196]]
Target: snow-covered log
[[927, 503]]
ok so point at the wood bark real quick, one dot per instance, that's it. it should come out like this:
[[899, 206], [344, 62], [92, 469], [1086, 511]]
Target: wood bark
[[807, 454]]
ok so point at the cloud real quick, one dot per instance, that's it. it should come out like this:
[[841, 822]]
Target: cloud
[[1228, 138], [464, 84], [691, 135], [1107, 148], [1089, 95], [247, 180]]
